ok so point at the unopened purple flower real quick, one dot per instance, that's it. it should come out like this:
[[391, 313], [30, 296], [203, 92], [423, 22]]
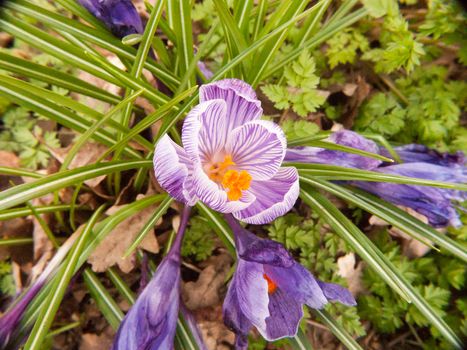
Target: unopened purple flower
[[230, 160], [269, 288], [325, 156], [119, 16], [432, 202], [152, 320], [10, 319], [414, 153]]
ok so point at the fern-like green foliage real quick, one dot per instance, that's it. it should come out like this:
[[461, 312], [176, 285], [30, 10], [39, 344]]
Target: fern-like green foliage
[[432, 116], [199, 239], [7, 284], [399, 47], [343, 47], [438, 279], [300, 91]]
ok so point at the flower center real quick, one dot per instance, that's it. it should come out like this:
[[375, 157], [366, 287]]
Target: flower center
[[271, 285], [232, 180]]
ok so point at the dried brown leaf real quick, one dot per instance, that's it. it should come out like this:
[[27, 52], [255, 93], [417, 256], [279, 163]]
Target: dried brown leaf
[[110, 251]]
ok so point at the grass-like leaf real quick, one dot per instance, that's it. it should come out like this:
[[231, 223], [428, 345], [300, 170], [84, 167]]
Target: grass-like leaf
[[366, 249], [59, 287], [25, 192]]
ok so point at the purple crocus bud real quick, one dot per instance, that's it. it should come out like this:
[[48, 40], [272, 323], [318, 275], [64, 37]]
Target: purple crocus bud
[[269, 288], [230, 160], [152, 320], [10, 320], [12, 317], [434, 203], [119, 16], [419, 153], [325, 156], [208, 74]]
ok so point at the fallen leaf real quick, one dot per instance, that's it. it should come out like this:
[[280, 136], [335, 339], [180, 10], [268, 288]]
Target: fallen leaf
[[110, 251], [411, 247], [9, 159], [216, 336], [208, 289], [351, 272], [90, 341], [88, 154]]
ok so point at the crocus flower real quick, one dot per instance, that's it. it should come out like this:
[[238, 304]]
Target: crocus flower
[[326, 156], [432, 202], [120, 16], [11, 318], [269, 288], [230, 160], [152, 320], [414, 153]]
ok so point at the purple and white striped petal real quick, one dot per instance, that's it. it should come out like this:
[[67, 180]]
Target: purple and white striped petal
[[171, 164], [242, 104], [252, 292], [257, 147], [274, 197], [213, 195], [203, 134]]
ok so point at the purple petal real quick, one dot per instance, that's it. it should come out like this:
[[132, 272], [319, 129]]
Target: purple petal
[[274, 197], [214, 196], [11, 318], [208, 74], [203, 133], [434, 203], [252, 292], [420, 153], [242, 104], [171, 169], [257, 147], [119, 16], [335, 292], [325, 156], [298, 283], [151, 322], [286, 314], [233, 316], [265, 251]]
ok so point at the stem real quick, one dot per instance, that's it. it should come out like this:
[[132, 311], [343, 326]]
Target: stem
[[177, 242]]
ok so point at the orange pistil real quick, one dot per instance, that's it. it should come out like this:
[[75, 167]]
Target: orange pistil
[[236, 182], [271, 285], [217, 170]]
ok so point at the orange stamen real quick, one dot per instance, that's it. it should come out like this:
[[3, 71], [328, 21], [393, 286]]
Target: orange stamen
[[216, 171], [271, 285], [236, 182]]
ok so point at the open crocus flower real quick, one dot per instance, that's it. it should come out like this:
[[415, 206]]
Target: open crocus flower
[[119, 16], [331, 157], [230, 160], [269, 288]]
